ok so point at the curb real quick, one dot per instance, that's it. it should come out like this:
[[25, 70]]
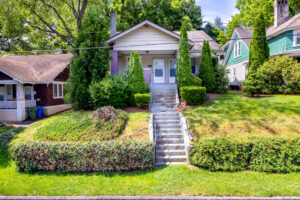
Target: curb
[[140, 197]]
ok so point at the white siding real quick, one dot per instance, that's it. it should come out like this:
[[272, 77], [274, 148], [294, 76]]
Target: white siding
[[146, 38], [237, 73]]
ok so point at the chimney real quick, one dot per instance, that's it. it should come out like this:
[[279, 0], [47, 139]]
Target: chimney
[[281, 11], [113, 24]]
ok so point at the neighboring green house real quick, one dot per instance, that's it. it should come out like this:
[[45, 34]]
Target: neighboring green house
[[283, 38]]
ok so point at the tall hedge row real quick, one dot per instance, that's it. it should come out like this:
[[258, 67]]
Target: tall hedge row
[[112, 156], [278, 155]]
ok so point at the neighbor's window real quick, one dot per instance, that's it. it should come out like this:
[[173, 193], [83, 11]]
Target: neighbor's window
[[2, 91], [237, 49], [297, 38], [58, 90], [28, 93], [193, 65]]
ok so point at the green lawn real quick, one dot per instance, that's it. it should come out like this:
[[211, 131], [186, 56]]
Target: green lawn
[[79, 125], [235, 115]]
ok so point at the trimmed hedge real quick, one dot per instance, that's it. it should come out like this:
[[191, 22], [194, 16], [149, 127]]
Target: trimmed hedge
[[278, 155], [193, 95], [7, 136], [112, 156], [142, 100]]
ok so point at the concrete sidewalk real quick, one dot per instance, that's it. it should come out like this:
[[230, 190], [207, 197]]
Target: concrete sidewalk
[[142, 198]]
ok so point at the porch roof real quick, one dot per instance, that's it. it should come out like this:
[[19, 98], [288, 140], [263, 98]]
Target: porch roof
[[34, 68]]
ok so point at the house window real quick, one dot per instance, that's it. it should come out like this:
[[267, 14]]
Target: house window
[[28, 92], [193, 65], [2, 91], [297, 38], [237, 49], [58, 91]]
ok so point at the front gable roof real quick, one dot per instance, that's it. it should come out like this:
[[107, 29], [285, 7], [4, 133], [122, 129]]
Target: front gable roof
[[144, 23], [245, 36], [291, 24]]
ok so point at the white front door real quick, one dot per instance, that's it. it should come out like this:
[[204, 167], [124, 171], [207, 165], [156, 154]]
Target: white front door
[[159, 71], [172, 68]]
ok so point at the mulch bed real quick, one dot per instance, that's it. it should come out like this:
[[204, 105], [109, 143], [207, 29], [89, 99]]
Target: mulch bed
[[136, 109], [183, 106]]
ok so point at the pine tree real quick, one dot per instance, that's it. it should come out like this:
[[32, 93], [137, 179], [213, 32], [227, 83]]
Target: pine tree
[[185, 76], [259, 53], [90, 65], [207, 69], [135, 74]]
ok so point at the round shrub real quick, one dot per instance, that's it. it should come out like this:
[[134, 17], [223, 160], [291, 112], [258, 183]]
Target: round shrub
[[193, 95], [280, 75], [111, 91], [142, 100]]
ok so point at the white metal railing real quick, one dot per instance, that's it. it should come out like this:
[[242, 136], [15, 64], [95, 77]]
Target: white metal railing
[[13, 104], [30, 103]]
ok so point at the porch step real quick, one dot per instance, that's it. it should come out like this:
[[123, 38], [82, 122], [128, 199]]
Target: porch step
[[165, 136], [164, 159], [170, 141], [167, 122], [170, 153], [170, 147]]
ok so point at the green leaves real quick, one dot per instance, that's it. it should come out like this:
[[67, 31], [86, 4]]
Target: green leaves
[[206, 68], [112, 156], [142, 100], [136, 78], [193, 95]]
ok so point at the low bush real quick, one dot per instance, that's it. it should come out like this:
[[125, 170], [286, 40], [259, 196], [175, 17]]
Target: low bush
[[112, 156], [193, 95], [111, 91], [278, 155], [6, 136], [220, 154], [142, 100], [2, 123]]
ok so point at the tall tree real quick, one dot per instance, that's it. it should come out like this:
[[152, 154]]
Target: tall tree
[[211, 30], [135, 74], [259, 53], [234, 23], [249, 9], [218, 23], [89, 65], [207, 69], [185, 76]]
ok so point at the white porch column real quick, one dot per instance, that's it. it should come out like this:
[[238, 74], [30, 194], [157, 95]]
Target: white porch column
[[21, 112]]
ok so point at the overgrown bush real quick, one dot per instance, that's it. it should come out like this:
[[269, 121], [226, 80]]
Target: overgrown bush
[[135, 74], [280, 75], [193, 95], [220, 154], [221, 75], [112, 156], [6, 137], [110, 121], [278, 155], [111, 91], [142, 100]]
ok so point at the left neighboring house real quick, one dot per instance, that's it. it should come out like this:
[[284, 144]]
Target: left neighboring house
[[33, 80]]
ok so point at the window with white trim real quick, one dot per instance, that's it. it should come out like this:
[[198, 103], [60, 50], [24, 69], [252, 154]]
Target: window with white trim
[[2, 93], [237, 49], [28, 93], [297, 38], [58, 90]]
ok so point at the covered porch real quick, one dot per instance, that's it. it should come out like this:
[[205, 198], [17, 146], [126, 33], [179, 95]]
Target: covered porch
[[14, 99]]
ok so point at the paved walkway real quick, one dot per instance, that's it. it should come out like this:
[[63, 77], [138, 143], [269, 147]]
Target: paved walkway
[[142, 197]]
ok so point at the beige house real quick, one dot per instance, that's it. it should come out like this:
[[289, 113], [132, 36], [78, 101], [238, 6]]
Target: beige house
[[158, 50]]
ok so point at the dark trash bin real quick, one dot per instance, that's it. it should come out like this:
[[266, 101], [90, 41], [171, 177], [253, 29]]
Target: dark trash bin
[[32, 113]]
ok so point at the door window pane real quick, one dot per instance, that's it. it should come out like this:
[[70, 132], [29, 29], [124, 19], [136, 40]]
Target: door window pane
[[2, 93], [172, 68], [159, 71]]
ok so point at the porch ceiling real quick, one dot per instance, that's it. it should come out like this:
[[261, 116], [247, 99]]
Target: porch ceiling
[[151, 52]]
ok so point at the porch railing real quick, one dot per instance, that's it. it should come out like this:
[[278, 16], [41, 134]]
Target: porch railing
[[13, 104]]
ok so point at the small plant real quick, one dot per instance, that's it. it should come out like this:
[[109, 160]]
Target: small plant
[[193, 95], [142, 100], [2, 123]]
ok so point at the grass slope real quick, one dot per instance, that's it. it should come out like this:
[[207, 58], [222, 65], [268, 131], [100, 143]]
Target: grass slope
[[77, 126], [234, 115]]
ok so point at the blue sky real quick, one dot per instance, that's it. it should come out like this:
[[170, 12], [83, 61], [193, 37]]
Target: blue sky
[[213, 8]]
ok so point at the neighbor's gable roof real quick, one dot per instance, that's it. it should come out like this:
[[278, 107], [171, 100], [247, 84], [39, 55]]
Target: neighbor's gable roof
[[290, 24], [144, 23], [34, 68], [198, 37]]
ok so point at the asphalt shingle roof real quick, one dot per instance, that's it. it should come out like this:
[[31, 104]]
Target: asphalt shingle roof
[[35, 68]]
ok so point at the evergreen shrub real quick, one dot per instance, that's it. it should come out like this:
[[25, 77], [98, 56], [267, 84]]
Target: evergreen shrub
[[193, 95], [142, 100]]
